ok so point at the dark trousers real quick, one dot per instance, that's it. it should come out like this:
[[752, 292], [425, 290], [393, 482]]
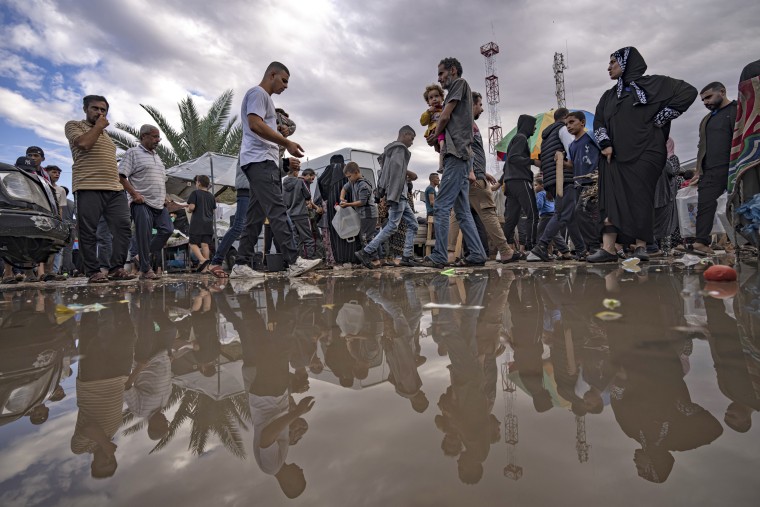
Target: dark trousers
[[587, 218], [564, 216], [711, 185], [146, 219], [520, 196], [104, 242], [306, 246], [112, 206], [266, 202], [558, 240]]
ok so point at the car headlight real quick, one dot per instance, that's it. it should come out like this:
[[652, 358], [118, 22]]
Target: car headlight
[[21, 188]]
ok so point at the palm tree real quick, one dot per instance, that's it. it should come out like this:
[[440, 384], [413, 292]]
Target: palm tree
[[216, 132]]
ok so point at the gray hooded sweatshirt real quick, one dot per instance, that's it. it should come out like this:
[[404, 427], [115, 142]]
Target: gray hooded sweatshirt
[[394, 162]]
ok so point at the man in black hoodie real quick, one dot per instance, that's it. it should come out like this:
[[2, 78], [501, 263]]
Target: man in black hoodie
[[518, 181]]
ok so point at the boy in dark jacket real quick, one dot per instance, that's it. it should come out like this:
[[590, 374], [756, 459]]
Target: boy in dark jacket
[[357, 194], [297, 197], [518, 181]]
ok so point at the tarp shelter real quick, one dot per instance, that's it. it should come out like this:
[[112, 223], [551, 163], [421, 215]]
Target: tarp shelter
[[219, 168]]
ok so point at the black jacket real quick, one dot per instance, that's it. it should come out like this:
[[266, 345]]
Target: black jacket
[[517, 166]]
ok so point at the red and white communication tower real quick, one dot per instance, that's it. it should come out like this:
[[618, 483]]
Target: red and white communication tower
[[492, 97]]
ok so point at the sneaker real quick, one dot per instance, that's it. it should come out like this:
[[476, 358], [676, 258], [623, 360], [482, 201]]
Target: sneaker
[[600, 256], [305, 289], [245, 285], [538, 254], [409, 262], [301, 266], [243, 271], [364, 258], [641, 254]]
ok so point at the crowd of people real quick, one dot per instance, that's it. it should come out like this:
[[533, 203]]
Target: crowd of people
[[600, 192]]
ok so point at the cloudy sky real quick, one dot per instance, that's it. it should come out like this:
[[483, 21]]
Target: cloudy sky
[[358, 68]]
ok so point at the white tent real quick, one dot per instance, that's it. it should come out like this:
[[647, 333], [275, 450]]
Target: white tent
[[219, 168]]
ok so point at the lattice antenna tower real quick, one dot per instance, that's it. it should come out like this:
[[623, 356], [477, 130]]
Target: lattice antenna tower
[[489, 51], [581, 446], [559, 78], [511, 433]]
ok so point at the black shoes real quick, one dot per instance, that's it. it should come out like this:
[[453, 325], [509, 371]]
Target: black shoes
[[364, 258], [600, 256], [641, 254], [409, 262]]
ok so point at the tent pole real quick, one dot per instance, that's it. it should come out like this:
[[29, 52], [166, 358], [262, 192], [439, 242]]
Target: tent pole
[[213, 189]]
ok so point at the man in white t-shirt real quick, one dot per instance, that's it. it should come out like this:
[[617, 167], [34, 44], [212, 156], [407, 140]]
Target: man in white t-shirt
[[259, 161]]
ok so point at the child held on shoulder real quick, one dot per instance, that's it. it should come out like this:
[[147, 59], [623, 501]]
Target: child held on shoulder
[[433, 95]]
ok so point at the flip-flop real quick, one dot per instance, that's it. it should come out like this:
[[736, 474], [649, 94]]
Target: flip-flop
[[218, 272], [203, 266]]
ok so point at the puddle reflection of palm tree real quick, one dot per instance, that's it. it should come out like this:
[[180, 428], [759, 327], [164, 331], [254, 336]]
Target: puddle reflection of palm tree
[[223, 418]]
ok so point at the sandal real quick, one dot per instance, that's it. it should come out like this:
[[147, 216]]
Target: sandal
[[98, 277], [11, 280], [119, 275], [218, 272], [203, 266]]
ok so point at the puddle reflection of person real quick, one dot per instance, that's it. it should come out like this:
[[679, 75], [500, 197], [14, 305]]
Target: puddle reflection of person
[[278, 421], [649, 397], [466, 420], [106, 346]]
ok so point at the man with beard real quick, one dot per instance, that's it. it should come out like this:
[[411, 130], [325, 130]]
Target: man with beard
[[456, 123], [715, 134], [99, 193]]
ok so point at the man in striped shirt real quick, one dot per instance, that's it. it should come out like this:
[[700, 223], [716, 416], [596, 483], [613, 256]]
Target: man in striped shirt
[[143, 175], [98, 192]]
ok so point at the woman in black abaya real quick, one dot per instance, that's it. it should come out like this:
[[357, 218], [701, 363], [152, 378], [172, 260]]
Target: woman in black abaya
[[631, 125], [330, 183]]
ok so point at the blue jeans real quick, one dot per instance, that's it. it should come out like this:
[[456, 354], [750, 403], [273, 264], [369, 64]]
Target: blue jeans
[[396, 211], [233, 233], [454, 192]]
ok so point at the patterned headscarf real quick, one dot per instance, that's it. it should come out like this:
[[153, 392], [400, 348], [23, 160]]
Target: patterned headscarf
[[622, 56]]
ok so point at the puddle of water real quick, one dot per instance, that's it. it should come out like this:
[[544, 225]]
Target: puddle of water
[[495, 386]]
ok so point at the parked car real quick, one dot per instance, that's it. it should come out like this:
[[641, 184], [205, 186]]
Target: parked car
[[30, 226]]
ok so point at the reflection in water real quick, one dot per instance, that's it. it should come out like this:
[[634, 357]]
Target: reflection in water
[[204, 364]]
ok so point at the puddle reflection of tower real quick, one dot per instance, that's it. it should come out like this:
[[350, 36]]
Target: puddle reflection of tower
[[492, 98], [512, 470], [580, 439]]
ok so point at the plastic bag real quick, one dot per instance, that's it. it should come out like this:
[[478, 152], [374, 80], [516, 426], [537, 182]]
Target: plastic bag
[[350, 318], [686, 205], [346, 223]]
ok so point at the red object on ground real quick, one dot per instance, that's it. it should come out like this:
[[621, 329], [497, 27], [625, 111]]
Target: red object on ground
[[719, 273]]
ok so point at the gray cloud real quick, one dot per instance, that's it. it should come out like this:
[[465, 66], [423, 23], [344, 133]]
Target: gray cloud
[[359, 69]]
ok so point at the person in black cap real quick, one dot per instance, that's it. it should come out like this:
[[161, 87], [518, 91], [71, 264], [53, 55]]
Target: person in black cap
[[36, 155]]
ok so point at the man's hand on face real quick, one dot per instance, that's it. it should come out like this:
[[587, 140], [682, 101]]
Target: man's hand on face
[[102, 122], [294, 149]]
